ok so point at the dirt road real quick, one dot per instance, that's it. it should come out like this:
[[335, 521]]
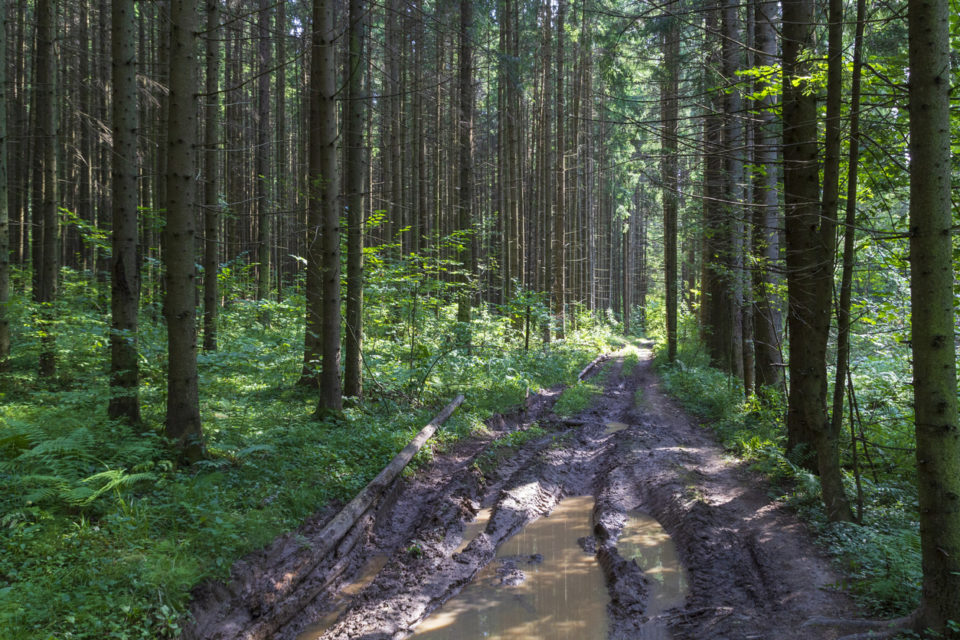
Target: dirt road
[[751, 568]]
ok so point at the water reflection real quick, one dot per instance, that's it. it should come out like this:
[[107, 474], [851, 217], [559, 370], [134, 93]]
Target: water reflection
[[365, 577], [563, 595], [613, 427], [644, 540], [473, 528]]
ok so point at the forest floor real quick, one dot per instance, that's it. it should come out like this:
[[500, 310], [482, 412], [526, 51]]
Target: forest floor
[[752, 568]]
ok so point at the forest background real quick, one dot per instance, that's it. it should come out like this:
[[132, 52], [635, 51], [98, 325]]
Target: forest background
[[247, 247]]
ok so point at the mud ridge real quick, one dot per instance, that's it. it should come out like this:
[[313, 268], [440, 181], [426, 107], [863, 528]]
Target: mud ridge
[[752, 568]]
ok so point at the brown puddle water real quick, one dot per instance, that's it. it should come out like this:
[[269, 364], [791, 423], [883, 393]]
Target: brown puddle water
[[473, 528], [563, 596], [342, 599], [644, 540]]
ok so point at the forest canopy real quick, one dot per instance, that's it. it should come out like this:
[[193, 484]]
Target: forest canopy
[[240, 238]]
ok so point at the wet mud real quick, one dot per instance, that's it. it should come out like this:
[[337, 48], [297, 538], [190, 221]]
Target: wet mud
[[679, 541]]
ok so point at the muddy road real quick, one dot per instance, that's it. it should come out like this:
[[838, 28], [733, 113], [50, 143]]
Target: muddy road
[[544, 542]]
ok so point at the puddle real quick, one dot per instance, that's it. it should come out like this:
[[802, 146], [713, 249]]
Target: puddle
[[613, 427], [643, 539], [340, 602], [473, 528], [562, 597]]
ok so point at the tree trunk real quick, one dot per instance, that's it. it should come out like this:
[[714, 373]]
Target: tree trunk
[[849, 233], [465, 144], [211, 192], [559, 220], [322, 52], [766, 236], [733, 192], [263, 157], [326, 180], [125, 276], [355, 172], [4, 204], [183, 402], [45, 215], [827, 437], [931, 297], [810, 241], [669, 87]]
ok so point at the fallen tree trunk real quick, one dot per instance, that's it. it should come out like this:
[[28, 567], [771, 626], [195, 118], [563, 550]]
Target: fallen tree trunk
[[279, 605], [600, 358]]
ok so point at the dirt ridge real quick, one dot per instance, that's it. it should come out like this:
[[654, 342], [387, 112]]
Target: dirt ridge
[[753, 570]]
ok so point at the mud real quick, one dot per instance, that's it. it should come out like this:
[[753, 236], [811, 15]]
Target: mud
[[751, 569]]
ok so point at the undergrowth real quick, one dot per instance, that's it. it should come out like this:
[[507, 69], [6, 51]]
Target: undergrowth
[[103, 534], [879, 558]]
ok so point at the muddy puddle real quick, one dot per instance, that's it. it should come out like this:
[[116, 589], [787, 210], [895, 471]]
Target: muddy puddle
[[364, 578], [646, 542], [541, 586], [613, 427], [473, 528]]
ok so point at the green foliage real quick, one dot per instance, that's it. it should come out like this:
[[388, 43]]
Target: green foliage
[[96, 517], [881, 557], [578, 397], [506, 446]]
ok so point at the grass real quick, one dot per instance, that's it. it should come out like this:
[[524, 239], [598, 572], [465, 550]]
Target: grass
[[504, 447], [881, 557], [103, 533]]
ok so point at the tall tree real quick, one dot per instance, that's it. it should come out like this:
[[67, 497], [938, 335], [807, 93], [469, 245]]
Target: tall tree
[[354, 186], [559, 219], [669, 88], [767, 319], [811, 244], [4, 205], [46, 243], [211, 184], [125, 272], [849, 235], [263, 156], [465, 143], [183, 398], [324, 196], [321, 119], [932, 303]]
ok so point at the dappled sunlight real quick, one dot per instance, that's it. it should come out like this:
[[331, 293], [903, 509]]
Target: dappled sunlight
[[562, 594]]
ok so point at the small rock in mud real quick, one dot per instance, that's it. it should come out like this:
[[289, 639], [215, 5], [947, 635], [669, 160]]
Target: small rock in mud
[[588, 544], [510, 575], [535, 558]]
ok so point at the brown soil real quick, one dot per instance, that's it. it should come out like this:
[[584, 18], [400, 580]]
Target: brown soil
[[753, 569]]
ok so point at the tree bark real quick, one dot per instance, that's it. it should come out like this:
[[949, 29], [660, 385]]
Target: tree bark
[[810, 241], [849, 233], [263, 157], [4, 204], [931, 297], [45, 207], [465, 143], [125, 272], [183, 401], [827, 437], [766, 235], [669, 87], [353, 190], [326, 181], [559, 220], [211, 185], [321, 119], [733, 192]]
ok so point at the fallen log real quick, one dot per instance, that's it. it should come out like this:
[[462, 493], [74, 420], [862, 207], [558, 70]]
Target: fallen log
[[278, 606], [600, 358]]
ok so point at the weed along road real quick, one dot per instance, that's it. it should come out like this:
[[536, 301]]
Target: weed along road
[[599, 511]]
